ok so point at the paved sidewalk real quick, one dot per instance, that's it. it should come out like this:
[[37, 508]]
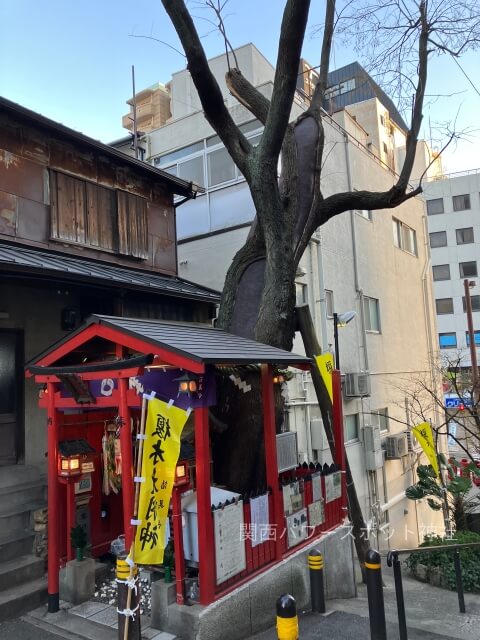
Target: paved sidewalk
[[429, 609]]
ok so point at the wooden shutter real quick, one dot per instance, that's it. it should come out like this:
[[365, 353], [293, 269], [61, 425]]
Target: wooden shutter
[[68, 208], [132, 225], [100, 217]]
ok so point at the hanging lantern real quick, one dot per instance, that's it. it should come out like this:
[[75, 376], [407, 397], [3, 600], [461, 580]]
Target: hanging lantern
[[187, 383], [181, 474]]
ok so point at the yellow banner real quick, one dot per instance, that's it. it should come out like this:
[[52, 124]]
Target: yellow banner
[[325, 366], [424, 434], [160, 456]]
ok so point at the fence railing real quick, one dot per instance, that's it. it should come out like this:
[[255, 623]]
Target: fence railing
[[394, 561]]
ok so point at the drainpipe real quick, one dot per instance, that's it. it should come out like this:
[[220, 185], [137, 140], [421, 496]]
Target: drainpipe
[[355, 258], [318, 277]]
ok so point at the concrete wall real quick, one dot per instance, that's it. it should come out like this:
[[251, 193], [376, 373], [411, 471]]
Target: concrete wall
[[251, 608], [37, 311]]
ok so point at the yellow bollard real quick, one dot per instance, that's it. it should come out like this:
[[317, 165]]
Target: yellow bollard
[[287, 619], [315, 565]]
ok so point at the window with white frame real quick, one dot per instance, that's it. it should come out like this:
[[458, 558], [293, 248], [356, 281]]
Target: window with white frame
[[372, 314], [207, 162], [351, 427], [364, 213], [380, 417], [329, 303], [404, 237], [301, 293]]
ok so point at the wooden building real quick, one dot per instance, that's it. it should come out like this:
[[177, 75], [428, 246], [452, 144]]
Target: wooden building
[[83, 229]]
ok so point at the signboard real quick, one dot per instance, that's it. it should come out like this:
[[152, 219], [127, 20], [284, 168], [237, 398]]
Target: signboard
[[297, 529], [333, 486], [316, 514], [259, 519], [456, 403], [317, 486], [229, 551], [292, 498]]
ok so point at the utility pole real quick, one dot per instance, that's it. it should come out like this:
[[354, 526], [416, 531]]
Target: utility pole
[[135, 138], [471, 334]]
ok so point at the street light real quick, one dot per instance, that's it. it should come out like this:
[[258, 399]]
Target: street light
[[340, 320]]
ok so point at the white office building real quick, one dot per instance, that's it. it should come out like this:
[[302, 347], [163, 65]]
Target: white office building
[[374, 263]]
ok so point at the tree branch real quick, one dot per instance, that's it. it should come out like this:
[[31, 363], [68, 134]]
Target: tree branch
[[292, 33], [248, 95], [210, 94], [321, 87]]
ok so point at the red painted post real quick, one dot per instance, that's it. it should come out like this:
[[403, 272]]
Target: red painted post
[[71, 513], [178, 544], [338, 432], [53, 506], [205, 520], [271, 464], [127, 475]]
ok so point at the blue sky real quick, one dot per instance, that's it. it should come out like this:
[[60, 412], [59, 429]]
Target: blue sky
[[71, 61]]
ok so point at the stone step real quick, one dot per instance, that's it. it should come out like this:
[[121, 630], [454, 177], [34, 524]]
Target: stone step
[[18, 518], [19, 570], [11, 497], [17, 600], [18, 544]]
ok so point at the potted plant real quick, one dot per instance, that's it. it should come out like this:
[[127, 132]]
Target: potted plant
[[168, 561], [78, 537]]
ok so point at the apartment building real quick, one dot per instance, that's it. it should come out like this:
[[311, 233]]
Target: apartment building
[[453, 208], [375, 263]]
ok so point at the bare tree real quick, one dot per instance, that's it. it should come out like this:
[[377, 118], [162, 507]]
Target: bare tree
[[259, 294]]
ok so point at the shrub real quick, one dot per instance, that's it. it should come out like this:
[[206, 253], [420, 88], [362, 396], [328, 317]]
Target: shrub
[[443, 560]]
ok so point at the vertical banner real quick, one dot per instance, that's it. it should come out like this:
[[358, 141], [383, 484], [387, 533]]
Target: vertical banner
[[160, 456], [424, 434], [325, 366]]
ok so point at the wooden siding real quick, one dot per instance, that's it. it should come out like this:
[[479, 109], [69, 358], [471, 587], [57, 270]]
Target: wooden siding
[[87, 190]]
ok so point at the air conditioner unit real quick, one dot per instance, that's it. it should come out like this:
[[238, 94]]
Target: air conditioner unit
[[357, 385], [396, 446], [318, 435], [373, 447], [412, 442], [287, 456]]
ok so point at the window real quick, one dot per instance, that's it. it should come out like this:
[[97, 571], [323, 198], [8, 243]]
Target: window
[[468, 269], [438, 239], [465, 236], [301, 293], [351, 426], [461, 203], [404, 237], [337, 89], [178, 154], [192, 170], [441, 272], [372, 314], [447, 340], [380, 417], [382, 120], [385, 148], [475, 300], [434, 206], [87, 214], [476, 338], [329, 303], [365, 213], [221, 167], [444, 305]]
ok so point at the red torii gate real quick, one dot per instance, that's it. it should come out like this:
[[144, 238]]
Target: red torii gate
[[189, 347]]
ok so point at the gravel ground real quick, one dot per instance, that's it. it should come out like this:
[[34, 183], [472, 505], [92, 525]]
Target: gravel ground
[[106, 592]]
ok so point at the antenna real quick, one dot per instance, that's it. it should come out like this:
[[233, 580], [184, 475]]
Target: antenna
[[135, 139]]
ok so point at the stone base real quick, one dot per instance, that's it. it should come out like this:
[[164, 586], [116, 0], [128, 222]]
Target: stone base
[[77, 581], [251, 608]]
